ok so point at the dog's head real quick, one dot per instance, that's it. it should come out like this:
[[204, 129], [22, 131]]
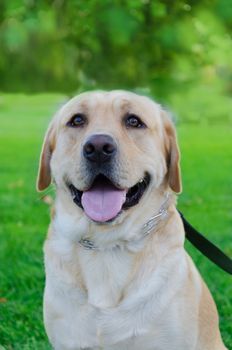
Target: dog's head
[[107, 151]]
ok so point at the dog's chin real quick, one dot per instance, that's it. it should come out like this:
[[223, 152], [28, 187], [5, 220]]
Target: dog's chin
[[104, 201]]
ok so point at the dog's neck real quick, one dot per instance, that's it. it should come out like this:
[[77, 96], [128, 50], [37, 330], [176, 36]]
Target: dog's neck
[[151, 225]]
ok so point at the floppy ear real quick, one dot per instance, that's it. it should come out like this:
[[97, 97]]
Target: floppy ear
[[172, 156], [44, 174]]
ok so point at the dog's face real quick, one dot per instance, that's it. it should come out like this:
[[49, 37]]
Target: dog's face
[[105, 150]]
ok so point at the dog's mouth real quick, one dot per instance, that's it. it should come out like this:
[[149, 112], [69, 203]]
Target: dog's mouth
[[104, 201]]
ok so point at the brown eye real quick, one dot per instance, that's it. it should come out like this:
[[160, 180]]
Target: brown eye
[[77, 120], [133, 121]]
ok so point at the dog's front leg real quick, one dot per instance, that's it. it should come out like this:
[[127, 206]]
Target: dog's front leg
[[144, 303], [69, 325]]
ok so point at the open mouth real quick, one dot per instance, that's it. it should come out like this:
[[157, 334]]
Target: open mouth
[[104, 201]]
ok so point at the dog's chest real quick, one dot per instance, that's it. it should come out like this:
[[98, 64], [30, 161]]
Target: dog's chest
[[105, 275]]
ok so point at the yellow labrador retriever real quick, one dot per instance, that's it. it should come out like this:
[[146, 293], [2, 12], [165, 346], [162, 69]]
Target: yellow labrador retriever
[[117, 274]]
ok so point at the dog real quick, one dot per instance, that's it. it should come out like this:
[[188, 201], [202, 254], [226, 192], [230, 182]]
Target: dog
[[117, 274]]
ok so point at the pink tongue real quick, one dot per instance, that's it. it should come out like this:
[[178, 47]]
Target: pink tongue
[[103, 202]]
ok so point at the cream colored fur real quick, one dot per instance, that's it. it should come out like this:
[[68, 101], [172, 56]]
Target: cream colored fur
[[135, 292]]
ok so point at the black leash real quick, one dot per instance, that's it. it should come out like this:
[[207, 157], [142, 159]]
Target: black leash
[[207, 248]]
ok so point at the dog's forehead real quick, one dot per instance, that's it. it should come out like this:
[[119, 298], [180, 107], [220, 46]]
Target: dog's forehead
[[116, 101]]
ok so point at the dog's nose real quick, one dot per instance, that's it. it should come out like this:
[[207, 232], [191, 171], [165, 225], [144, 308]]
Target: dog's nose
[[99, 148]]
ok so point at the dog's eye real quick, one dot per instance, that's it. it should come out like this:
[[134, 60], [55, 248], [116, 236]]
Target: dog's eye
[[133, 121], [77, 120]]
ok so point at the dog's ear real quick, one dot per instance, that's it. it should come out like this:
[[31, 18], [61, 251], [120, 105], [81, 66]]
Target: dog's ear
[[172, 155], [44, 174]]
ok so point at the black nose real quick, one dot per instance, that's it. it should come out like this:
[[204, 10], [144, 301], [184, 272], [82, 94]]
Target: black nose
[[100, 148]]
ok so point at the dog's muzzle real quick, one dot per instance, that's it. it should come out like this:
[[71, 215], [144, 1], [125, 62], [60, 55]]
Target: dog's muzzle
[[104, 198]]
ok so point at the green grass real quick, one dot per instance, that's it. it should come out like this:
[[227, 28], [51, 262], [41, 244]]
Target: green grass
[[206, 202]]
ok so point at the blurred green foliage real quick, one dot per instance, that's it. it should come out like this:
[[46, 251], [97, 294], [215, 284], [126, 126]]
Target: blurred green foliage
[[168, 48]]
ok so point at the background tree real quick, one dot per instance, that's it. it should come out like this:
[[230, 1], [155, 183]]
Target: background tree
[[170, 49]]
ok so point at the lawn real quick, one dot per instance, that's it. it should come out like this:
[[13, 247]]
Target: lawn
[[206, 201]]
